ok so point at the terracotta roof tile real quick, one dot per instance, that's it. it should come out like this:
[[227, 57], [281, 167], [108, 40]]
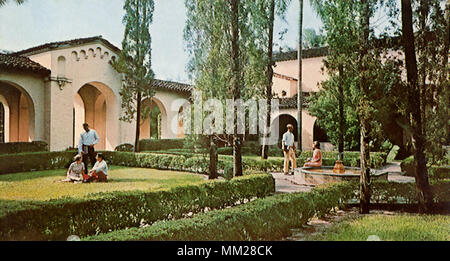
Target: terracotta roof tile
[[306, 53], [172, 86], [68, 43], [21, 63]]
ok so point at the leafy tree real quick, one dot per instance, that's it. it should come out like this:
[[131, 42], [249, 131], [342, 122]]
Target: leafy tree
[[135, 61], [312, 39]]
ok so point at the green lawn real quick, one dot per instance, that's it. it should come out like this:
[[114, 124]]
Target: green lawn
[[404, 227], [44, 185]]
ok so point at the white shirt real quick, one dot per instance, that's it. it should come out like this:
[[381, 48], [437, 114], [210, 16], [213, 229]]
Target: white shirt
[[288, 138], [101, 166], [87, 138]]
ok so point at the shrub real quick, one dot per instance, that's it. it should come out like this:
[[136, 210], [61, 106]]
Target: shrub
[[269, 218], [125, 147], [21, 162], [103, 212], [20, 147], [434, 172], [165, 144]]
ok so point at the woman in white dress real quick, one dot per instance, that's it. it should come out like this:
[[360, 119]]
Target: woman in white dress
[[76, 170]]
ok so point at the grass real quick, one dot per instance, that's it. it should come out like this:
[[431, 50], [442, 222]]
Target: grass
[[44, 185], [403, 227]]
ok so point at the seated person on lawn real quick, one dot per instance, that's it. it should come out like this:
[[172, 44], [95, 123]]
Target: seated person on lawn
[[76, 170], [99, 172], [316, 160]]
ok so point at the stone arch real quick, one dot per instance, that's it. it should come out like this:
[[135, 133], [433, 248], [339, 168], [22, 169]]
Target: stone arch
[[4, 120], [281, 121], [101, 112], [146, 130], [19, 112], [319, 134]]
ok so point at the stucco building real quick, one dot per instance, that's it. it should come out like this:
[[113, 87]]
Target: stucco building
[[48, 91]]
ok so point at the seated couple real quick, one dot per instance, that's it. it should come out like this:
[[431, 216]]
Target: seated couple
[[76, 171], [316, 160]]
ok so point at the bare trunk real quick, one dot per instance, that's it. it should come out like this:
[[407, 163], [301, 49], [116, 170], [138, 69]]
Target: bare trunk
[[341, 113], [425, 197], [364, 121], [299, 87], [265, 147], [237, 157], [212, 158], [138, 121]]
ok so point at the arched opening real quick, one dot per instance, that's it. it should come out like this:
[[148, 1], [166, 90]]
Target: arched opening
[[319, 134], [17, 123], [151, 123], [95, 104], [283, 121], [180, 132]]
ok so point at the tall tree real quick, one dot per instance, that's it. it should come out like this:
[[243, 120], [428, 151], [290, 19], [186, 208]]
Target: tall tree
[[364, 115], [135, 61], [413, 95], [300, 79], [312, 39]]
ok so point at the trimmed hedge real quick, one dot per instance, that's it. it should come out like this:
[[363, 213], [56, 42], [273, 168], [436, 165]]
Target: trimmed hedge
[[22, 162], [103, 212], [434, 172], [165, 144], [20, 147], [270, 218]]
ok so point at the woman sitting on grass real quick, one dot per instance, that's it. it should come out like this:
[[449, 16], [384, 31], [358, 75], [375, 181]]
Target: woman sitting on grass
[[99, 172], [316, 160], [76, 170]]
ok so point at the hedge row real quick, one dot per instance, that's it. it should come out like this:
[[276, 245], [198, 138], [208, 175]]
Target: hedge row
[[198, 163], [22, 162], [270, 218], [165, 144], [103, 212], [20, 147], [434, 172]]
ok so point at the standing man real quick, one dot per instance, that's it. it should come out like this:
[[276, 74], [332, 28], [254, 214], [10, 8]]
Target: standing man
[[86, 145], [288, 149]]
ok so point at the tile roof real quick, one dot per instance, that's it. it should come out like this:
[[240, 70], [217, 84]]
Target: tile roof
[[291, 102], [21, 63], [172, 86], [68, 43], [306, 53]]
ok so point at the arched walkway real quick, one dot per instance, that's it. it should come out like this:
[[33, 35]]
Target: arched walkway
[[319, 134], [283, 120], [152, 125], [96, 104], [18, 111]]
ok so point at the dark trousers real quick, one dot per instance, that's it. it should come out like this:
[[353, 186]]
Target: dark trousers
[[90, 155]]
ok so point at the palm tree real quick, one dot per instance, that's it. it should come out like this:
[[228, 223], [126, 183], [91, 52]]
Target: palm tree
[[19, 2]]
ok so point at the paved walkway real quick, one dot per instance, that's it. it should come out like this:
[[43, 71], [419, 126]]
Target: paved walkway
[[287, 184]]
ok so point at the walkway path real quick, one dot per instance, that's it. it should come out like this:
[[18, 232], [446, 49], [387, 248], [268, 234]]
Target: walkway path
[[287, 184]]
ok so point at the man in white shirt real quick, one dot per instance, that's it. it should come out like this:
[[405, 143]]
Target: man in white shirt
[[288, 149], [86, 145], [99, 172]]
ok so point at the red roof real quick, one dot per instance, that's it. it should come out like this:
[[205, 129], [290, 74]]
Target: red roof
[[11, 62]]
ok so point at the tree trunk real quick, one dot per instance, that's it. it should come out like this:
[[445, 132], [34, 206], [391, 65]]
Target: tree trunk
[[212, 158], [364, 121], [237, 157], [341, 113], [265, 147], [299, 86], [138, 120], [425, 197]]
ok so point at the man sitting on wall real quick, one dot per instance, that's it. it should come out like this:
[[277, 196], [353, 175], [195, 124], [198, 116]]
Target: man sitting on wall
[[99, 172]]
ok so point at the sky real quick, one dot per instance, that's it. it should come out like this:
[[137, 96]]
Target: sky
[[42, 21]]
